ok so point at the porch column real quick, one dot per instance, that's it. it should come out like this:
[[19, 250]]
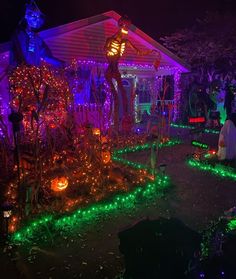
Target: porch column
[[157, 86], [177, 95]]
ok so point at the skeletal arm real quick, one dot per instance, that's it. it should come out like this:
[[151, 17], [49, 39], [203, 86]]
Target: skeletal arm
[[141, 52]]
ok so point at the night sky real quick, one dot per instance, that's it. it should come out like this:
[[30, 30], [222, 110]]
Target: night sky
[[155, 17]]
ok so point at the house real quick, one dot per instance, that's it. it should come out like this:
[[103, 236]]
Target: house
[[83, 41]]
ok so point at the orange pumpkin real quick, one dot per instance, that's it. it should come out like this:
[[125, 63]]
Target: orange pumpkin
[[104, 139], [96, 131], [59, 184], [106, 156]]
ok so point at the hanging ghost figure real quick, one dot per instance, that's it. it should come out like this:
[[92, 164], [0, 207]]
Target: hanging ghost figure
[[27, 46], [114, 48]]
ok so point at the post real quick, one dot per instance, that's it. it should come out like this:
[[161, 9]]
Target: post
[[177, 95]]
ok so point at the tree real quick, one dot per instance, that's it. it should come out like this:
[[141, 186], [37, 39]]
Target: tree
[[209, 46], [42, 96]]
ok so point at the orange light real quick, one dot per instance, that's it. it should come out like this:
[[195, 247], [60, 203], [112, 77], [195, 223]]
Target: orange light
[[52, 125], [96, 132], [59, 184], [104, 139], [124, 31], [106, 157], [12, 228]]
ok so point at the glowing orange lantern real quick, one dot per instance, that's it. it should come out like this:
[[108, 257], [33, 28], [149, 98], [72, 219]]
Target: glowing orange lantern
[[59, 184], [104, 139], [52, 125], [106, 156], [96, 131]]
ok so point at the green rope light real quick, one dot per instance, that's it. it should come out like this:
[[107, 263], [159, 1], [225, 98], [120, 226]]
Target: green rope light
[[232, 224], [208, 131], [219, 170], [181, 126], [221, 225], [123, 201], [145, 146], [200, 144], [53, 223], [117, 153]]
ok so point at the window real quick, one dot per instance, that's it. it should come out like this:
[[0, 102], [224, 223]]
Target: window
[[168, 83], [143, 91]]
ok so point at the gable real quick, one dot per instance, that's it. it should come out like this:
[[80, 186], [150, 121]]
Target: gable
[[87, 43], [84, 40]]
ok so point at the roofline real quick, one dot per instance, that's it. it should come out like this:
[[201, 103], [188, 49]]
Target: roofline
[[68, 27], [146, 37], [160, 47], [72, 26], [106, 16]]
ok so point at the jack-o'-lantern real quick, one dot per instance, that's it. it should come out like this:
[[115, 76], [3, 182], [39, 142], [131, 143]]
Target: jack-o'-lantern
[[104, 139], [96, 132], [59, 184], [106, 156]]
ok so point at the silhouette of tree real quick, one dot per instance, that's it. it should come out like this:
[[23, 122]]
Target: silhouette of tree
[[209, 46]]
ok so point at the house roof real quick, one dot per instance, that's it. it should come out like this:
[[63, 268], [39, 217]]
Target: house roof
[[84, 40]]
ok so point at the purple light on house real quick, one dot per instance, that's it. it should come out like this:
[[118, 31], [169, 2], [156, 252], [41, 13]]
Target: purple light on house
[[177, 95], [175, 71], [127, 65]]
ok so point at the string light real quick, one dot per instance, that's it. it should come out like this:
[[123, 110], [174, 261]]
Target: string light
[[181, 126], [221, 227], [122, 201], [177, 95], [219, 170], [232, 224], [127, 65], [200, 144], [41, 94]]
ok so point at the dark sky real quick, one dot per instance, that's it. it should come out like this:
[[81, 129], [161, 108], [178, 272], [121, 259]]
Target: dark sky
[[155, 17]]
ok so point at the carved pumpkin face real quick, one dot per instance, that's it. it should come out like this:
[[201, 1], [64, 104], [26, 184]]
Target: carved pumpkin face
[[59, 184]]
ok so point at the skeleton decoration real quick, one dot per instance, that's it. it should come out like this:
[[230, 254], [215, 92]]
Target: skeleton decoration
[[27, 46], [115, 47]]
